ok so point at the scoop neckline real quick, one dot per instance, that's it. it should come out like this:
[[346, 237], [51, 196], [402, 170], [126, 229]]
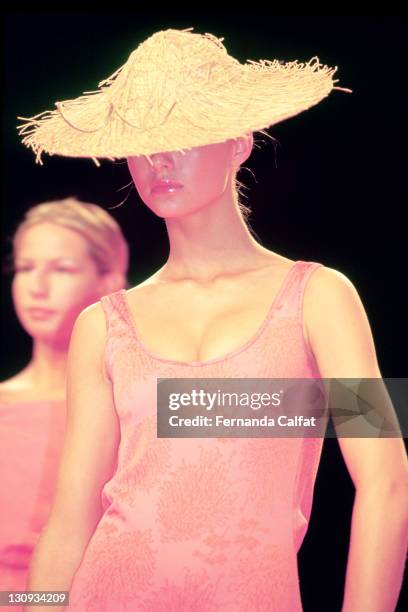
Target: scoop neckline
[[233, 352]]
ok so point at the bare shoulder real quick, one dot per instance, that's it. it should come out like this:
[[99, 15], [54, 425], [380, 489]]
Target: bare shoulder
[[328, 286], [89, 332], [328, 279], [10, 385], [92, 317], [90, 324], [337, 326], [12, 389], [22, 388]]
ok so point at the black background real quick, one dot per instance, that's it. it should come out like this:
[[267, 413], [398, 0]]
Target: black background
[[333, 193]]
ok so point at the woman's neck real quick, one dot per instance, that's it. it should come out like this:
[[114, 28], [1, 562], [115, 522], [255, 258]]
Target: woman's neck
[[211, 241], [47, 368]]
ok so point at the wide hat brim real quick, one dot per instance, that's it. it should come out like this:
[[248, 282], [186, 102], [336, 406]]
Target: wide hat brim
[[177, 91]]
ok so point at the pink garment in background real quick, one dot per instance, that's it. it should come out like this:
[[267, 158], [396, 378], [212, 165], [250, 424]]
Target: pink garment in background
[[31, 438], [210, 524]]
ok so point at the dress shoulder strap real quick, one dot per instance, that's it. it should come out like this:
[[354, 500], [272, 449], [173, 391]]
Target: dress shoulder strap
[[117, 324], [291, 298], [116, 312]]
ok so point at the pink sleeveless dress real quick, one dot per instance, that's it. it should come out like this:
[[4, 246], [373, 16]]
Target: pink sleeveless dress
[[209, 524], [31, 439]]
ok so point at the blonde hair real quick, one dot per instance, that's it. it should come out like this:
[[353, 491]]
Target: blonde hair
[[106, 243], [239, 187]]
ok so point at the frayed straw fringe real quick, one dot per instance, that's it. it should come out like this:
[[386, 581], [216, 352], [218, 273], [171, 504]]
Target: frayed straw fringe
[[176, 91]]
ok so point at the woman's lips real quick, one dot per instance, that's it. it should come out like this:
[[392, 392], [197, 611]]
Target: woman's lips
[[166, 186], [40, 313]]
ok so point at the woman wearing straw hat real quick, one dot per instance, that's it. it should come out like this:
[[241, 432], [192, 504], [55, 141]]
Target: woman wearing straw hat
[[66, 254], [141, 522]]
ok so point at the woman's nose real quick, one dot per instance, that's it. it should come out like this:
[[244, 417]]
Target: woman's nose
[[39, 285], [161, 160]]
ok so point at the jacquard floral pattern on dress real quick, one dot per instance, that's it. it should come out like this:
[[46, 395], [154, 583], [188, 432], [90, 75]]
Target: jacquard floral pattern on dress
[[195, 498], [263, 580], [145, 457], [196, 594], [262, 459], [116, 567]]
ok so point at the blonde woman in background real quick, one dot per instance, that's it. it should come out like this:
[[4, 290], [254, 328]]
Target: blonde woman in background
[[66, 255]]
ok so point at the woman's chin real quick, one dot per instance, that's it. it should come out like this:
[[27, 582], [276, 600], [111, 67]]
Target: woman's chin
[[49, 334], [173, 210]]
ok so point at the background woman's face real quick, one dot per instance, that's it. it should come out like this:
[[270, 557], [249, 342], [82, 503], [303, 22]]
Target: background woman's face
[[53, 272], [203, 174]]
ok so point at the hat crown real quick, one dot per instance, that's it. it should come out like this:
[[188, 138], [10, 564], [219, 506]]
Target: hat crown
[[165, 69], [179, 50]]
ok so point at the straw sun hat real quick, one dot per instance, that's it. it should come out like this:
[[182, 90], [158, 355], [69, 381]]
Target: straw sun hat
[[177, 90]]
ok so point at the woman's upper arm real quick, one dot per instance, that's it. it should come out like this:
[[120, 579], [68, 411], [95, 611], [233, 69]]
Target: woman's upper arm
[[337, 327], [340, 337], [92, 431]]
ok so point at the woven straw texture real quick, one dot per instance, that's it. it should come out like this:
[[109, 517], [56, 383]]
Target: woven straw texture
[[177, 90]]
